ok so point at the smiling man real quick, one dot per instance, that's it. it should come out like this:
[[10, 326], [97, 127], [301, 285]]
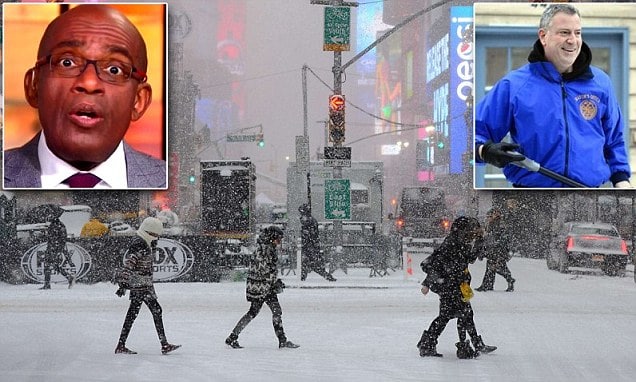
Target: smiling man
[[88, 83], [558, 110]]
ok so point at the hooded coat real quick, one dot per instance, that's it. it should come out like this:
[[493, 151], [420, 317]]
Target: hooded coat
[[569, 123]]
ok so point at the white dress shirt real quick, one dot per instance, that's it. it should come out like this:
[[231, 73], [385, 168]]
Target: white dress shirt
[[112, 171]]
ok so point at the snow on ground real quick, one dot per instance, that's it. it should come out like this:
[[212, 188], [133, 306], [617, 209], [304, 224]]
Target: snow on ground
[[554, 327]]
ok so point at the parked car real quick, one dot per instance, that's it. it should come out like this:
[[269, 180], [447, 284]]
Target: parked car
[[589, 245]]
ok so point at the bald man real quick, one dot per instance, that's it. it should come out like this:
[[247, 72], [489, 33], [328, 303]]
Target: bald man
[[88, 84]]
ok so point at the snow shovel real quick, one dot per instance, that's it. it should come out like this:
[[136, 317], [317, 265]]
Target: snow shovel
[[533, 166]]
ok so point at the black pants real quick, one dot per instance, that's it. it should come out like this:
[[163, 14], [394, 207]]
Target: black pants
[[494, 267], [137, 297], [452, 307], [312, 262], [53, 262], [277, 316]]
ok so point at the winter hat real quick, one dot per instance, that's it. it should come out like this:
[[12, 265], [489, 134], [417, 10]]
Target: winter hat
[[150, 229], [465, 223], [304, 209], [270, 234]]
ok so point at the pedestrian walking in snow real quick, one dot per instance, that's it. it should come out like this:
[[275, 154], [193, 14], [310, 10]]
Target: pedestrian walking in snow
[[312, 260], [263, 287], [497, 251], [56, 257], [137, 277], [448, 276]]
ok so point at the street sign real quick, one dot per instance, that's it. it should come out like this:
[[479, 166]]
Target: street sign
[[337, 29], [337, 156], [243, 137], [337, 199]]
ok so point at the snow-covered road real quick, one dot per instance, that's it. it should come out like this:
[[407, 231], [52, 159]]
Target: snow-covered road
[[554, 327]]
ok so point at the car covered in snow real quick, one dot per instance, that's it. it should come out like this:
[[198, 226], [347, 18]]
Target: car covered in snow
[[589, 245]]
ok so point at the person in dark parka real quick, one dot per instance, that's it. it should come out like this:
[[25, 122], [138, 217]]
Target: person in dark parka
[[56, 255], [497, 252], [312, 260], [262, 288], [448, 276]]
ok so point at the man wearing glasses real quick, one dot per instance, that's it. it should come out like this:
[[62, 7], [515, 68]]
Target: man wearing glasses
[[88, 83]]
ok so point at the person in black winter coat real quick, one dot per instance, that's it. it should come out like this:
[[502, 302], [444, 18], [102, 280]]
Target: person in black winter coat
[[496, 249], [56, 255], [262, 288], [137, 276], [312, 260], [448, 276]]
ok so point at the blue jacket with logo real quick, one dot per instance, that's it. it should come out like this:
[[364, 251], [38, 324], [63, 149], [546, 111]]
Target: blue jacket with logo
[[569, 123]]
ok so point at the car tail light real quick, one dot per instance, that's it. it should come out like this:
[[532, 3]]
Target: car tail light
[[569, 243], [623, 246]]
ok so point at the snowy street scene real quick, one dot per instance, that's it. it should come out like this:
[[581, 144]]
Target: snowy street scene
[[553, 327], [317, 190]]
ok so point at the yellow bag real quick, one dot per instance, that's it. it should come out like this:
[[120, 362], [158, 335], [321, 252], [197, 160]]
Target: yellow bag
[[467, 291]]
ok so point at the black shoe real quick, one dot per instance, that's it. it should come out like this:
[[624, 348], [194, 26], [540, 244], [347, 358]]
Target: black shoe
[[483, 289], [481, 347], [465, 351], [428, 346], [232, 341], [122, 349], [287, 344], [511, 285], [330, 278], [71, 282], [167, 348], [45, 287]]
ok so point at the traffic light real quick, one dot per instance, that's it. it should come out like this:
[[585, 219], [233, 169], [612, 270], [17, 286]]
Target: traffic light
[[336, 118], [260, 141], [441, 150]]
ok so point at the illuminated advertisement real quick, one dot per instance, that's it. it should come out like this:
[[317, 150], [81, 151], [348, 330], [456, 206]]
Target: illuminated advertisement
[[461, 82]]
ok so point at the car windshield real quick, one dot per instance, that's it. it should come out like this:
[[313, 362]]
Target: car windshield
[[587, 230]]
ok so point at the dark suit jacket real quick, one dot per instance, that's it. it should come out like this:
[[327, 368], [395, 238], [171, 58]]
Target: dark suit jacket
[[22, 168]]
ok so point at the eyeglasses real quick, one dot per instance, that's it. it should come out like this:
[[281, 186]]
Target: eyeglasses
[[111, 71]]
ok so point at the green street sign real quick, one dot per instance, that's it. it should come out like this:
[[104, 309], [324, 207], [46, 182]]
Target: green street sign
[[337, 29], [337, 199]]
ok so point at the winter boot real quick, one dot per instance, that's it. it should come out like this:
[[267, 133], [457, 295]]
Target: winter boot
[[122, 349], [167, 348], [329, 277], [232, 341], [483, 288], [287, 344], [481, 347], [428, 346], [464, 351], [71, 281], [511, 285], [45, 286]]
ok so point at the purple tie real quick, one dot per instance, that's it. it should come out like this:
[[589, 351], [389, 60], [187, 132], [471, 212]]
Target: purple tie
[[82, 180]]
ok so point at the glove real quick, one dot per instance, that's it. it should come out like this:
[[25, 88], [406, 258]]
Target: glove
[[121, 292], [497, 154], [279, 285]]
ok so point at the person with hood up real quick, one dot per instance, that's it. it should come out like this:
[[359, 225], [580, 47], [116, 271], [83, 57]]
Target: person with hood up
[[262, 287], [559, 111], [137, 276], [312, 260], [448, 276]]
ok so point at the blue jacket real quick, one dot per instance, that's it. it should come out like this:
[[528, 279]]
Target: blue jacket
[[569, 123]]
